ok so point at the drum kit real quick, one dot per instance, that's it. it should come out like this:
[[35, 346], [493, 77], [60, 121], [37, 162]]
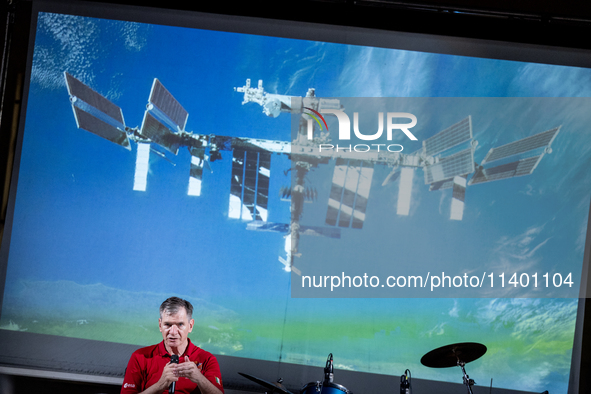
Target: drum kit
[[457, 354]]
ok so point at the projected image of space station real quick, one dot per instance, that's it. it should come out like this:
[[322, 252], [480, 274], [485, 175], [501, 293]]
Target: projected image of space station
[[159, 158]]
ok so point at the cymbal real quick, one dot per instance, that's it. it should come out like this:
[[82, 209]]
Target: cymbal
[[274, 387], [449, 355]]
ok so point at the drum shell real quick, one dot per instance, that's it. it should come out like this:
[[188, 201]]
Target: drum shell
[[324, 388]]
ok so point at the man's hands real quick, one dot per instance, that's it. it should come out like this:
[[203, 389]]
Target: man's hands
[[168, 376], [188, 369]]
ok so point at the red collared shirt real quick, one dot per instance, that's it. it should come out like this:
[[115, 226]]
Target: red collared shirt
[[146, 365]]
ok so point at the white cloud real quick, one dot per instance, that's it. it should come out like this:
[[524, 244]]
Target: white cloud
[[518, 252], [437, 330], [546, 318], [71, 50], [454, 312], [378, 72], [541, 80], [74, 44], [134, 36]]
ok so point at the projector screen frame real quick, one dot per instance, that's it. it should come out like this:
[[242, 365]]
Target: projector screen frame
[[354, 35]]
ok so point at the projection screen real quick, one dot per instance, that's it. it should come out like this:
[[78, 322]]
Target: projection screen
[[158, 156]]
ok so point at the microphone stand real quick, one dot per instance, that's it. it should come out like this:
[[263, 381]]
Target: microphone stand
[[329, 370]]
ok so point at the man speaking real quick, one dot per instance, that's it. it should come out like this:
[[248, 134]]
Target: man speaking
[[192, 370]]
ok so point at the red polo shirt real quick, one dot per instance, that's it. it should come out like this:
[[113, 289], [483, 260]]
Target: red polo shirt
[[146, 365]]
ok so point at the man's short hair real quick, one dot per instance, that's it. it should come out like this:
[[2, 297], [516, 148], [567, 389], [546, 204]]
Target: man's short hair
[[173, 304]]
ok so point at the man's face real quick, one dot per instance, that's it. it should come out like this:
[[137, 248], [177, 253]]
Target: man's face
[[175, 328]]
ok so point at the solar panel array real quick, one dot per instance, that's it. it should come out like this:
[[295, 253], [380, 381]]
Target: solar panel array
[[88, 122], [441, 185], [161, 98], [513, 169], [249, 190], [448, 138], [89, 96], [524, 145], [349, 193], [461, 163], [159, 133], [95, 113]]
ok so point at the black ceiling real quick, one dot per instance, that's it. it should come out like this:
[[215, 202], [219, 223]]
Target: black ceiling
[[546, 22]]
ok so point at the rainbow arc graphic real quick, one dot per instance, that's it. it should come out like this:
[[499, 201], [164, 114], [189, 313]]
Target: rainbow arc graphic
[[316, 117]]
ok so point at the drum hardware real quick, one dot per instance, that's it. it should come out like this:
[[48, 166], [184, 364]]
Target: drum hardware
[[276, 388], [405, 383], [467, 381], [327, 386], [328, 369], [324, 388], [458, 354]]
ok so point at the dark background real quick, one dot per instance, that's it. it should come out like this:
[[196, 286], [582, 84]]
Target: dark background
[[555, 23]]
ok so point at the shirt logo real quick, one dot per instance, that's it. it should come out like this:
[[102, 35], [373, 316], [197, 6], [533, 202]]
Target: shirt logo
[[126, 385]]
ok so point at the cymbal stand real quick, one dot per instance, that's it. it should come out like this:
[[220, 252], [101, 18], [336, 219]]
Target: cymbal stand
[[467, 381]]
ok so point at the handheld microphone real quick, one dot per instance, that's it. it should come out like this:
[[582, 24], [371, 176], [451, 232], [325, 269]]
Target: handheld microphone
[[329, 370], [174, 359]]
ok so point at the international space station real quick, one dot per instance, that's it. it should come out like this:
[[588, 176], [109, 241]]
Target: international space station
[[446, 159]]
